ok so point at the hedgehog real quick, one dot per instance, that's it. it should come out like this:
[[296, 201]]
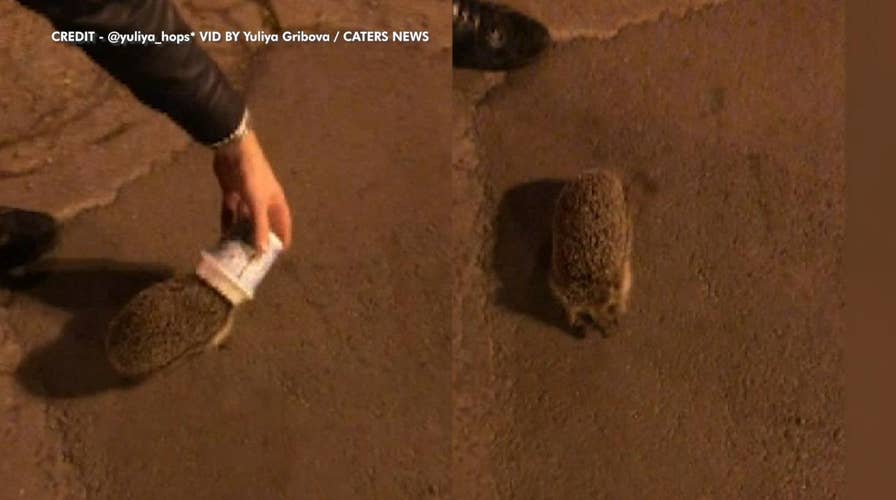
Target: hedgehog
[[165, 323], [590, 272]]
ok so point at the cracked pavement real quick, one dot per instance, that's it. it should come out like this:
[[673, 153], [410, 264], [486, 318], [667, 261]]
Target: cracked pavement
[[725, 381]]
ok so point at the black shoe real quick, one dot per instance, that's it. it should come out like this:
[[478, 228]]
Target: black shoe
[[24, 237], [493, 37]]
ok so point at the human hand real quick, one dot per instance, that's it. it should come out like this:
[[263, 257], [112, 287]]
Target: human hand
[[250, 190]]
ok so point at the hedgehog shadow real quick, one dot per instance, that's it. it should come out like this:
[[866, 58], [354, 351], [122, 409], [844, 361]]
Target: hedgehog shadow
[[92, 291], [521, 256]]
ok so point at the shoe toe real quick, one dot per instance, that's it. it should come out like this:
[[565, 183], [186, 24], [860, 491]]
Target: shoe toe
[[24, 236], [526, 37], [504, 39]]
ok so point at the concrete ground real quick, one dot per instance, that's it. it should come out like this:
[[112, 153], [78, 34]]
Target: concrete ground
[[726, 379], [407, 347]]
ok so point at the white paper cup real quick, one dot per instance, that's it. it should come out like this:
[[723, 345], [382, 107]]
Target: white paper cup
[[234, 268]]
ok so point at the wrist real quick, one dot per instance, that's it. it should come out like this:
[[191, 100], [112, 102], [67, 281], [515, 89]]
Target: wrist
[[242, 157]]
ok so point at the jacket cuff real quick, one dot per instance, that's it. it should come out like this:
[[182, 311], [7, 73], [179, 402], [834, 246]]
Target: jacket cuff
[[238, 132]]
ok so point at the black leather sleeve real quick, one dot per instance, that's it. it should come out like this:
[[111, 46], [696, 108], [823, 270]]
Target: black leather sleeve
[[180, 80]]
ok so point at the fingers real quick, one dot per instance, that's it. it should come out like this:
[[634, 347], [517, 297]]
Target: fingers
[[260, 197], [245, 213], [281, 222], [262, 226], [229, 211], [265, 217]]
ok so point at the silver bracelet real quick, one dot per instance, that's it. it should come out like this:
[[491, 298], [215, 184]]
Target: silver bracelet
[[241, 130]]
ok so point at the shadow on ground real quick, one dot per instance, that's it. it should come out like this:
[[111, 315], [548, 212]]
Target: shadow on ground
[[522, 252], [92, 292]]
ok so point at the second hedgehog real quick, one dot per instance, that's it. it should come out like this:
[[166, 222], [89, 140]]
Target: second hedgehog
[[590, 271]]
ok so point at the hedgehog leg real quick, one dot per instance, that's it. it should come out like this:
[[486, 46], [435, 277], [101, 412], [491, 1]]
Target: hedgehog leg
[[574, 317]]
